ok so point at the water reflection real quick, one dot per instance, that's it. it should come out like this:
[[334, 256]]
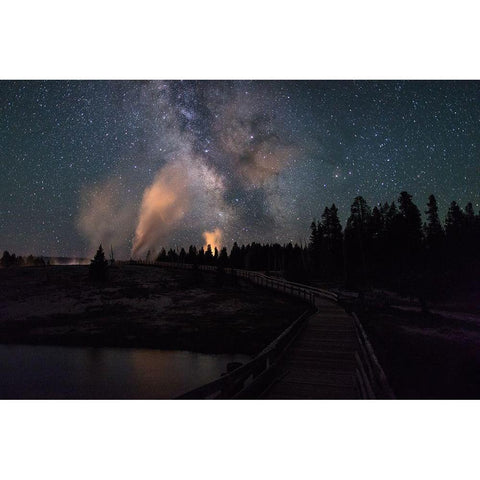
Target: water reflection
[[104, 373]]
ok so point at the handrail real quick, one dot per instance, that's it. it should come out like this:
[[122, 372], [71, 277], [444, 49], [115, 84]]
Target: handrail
[[370, 371], [241, 379], [297, 289], [371, 379]]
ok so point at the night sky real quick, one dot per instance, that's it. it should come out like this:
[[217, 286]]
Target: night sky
[[141, 165]]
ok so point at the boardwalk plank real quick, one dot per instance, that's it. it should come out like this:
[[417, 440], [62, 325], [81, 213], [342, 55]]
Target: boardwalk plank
[[320, 364]]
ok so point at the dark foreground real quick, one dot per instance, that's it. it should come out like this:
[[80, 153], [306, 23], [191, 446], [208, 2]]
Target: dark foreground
[[141, 307], [426, 355]]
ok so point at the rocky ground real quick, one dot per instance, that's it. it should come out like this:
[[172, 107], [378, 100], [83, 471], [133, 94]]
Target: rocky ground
[[140, 307]]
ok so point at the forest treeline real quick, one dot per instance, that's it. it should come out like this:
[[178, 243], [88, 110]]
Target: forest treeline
[[11, 260], [387, 246]]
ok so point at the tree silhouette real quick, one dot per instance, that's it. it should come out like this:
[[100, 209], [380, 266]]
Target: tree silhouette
[[6, 260], [209, 255], [315, 246], [172, 255], [470, 231], [454, 222], [331, 238], [201, 256], [410, 237], [98, 266], [356, 237], [191, 256], [223, 257], [411, 222], [236, 260], [434, 233], [162, 256]]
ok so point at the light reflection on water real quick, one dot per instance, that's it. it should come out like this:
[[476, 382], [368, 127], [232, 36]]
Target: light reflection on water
[[104, 373]]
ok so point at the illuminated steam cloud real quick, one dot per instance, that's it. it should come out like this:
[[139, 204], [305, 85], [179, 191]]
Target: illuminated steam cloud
[[213, 238], [106, 216], [185, 194], [164, 203]]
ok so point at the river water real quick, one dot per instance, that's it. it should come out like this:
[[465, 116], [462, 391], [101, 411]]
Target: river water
[[51, 372]]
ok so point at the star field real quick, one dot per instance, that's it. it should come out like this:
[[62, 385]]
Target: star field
[[257, 159]]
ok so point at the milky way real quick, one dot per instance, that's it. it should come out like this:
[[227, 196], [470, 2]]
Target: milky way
[[141, 165]]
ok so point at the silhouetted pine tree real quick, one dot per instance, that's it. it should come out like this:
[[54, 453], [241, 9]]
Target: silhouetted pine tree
[[412, 222], [434, 279], [98, 266], [470, 227], [332, 248], [162, 256], [172, 256], [201, 256], [375, 243], [411, 260], [209, 255], [315, 246], [223, 257], [454, 222], [295, 269], [236, 257], [434, 234], [191, 256], [6, 260], [356, 237]]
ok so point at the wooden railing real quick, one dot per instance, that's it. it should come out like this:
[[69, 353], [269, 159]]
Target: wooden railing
[[371, 379], [305, 292], [251, 378]]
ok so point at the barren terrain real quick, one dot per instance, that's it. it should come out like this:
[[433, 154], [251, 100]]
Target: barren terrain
[[140, 307], [426, 355]]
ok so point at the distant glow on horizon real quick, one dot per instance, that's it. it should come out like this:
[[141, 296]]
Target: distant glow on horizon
[[214, 239]]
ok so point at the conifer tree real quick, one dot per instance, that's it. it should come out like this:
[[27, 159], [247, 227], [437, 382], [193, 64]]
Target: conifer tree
[[330, 243], [99, 266], [223, 257], [162, 256], [236, 257], [356, 232], [209, 255], [6, 260], [315, 245], [454, 222], [433, 230]]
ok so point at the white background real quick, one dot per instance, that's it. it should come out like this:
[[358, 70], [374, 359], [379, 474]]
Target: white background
[[244, 40]]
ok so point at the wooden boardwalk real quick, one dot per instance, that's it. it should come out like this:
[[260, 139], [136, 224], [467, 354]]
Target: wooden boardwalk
[[320, 364], [327, 356]]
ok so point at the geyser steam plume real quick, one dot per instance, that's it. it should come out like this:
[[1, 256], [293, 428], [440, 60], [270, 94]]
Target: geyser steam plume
[[185, 186], [164, 203], [213, 238]]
